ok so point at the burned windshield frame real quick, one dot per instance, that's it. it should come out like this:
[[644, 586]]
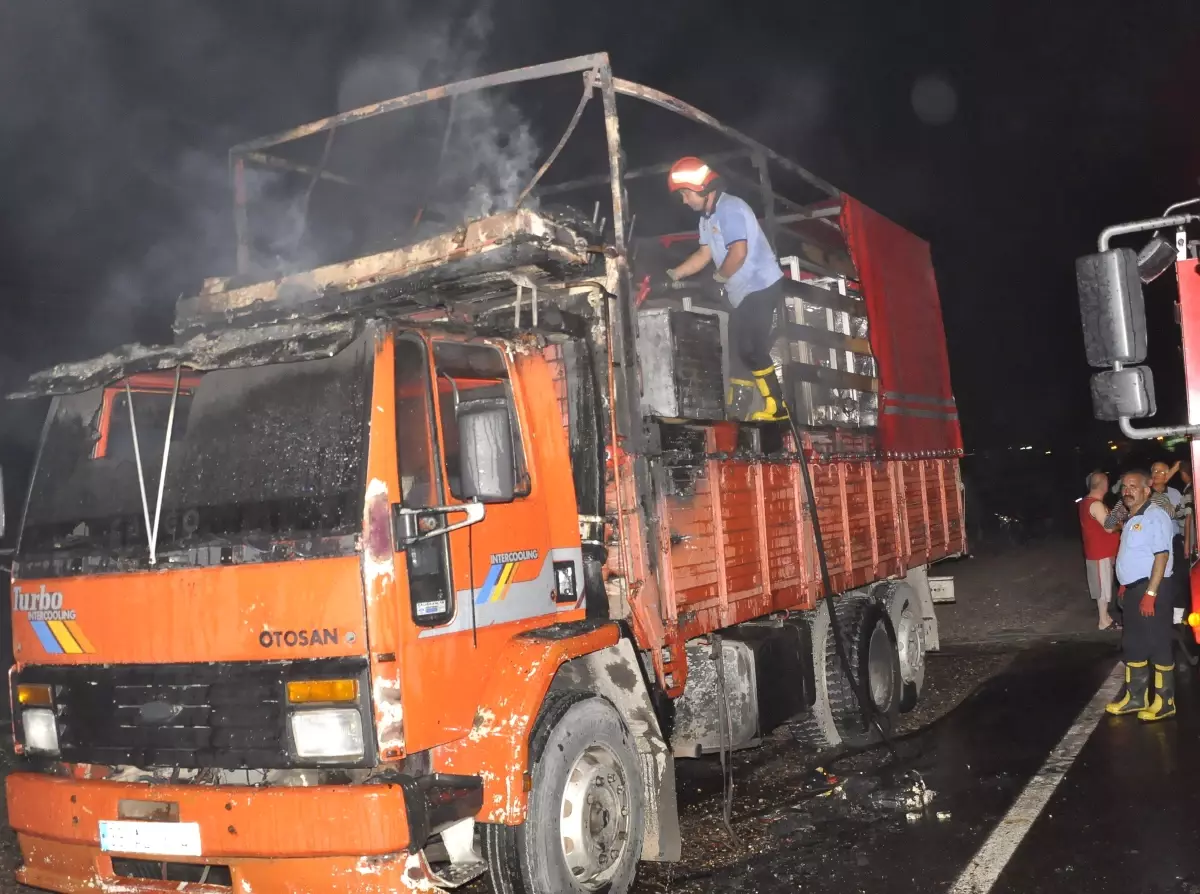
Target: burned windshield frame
[[273, 457], [112, 423]]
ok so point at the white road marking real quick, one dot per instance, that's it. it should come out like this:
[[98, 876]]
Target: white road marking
[[981, 873]]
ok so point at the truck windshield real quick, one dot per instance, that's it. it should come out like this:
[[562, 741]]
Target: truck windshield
[[263, 456]]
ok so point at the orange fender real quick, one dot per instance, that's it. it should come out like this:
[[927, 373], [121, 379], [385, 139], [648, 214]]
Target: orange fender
[[497, 747]]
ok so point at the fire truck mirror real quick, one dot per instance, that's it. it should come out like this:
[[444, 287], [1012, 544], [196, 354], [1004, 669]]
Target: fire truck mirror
[[1155, 259], [489, 470], [1111, 307], [1127, 392]]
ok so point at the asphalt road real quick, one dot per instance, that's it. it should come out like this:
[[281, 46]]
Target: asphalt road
[[1105, 805]]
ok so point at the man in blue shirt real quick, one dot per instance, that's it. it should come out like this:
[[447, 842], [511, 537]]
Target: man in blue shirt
[[1144, 560], [731, 238]]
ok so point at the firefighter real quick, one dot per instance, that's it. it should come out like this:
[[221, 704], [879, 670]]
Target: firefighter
[[731, 238], [1144, 565]]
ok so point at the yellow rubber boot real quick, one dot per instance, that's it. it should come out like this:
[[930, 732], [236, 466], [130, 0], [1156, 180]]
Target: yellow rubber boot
[[768, 386], [1163, 705], [1133, 695]]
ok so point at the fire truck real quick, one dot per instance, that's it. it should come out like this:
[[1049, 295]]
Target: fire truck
[[1113, 312], [431, 562]]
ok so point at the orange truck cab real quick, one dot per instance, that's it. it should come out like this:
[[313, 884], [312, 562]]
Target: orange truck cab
[[402, 569]]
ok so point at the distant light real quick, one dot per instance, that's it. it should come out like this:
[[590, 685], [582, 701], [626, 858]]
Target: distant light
[[1112, 446], [1079, 500], [1047, 453], [1030, 447]]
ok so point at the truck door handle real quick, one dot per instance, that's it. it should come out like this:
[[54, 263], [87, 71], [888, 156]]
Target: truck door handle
[[415, 525]]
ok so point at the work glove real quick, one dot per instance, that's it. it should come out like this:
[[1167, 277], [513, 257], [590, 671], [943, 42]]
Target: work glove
[[1146, 607]]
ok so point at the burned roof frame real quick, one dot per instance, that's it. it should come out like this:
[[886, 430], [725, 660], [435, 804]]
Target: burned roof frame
[[597, 71]]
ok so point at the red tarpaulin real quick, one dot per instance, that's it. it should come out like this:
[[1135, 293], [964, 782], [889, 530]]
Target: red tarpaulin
[[917, 414]]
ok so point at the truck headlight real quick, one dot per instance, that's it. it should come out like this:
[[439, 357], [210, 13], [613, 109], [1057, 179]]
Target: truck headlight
[[326, 734], [41, 731]]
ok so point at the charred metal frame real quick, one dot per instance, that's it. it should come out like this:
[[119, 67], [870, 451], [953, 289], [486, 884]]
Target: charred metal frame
[[598, 70]]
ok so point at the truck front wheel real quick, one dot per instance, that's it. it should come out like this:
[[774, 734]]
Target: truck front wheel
[[584, 821]]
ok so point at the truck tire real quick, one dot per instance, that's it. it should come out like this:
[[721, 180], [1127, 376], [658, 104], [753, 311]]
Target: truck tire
[[583, 827], [904, 611], [870, 645], [817, 729]]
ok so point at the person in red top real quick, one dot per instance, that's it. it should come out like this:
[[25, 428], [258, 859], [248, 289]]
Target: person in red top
[[1099, 546]]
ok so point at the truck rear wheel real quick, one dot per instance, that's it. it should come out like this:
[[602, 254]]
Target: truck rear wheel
[[583, 827], [871, 651], [904, 611], [817, 729]]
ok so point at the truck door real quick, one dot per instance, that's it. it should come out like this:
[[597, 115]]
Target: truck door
[[471, 589]]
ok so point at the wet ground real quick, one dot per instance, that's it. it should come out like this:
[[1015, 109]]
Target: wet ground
[[975, 760], [1123, 819], [1021, 659], [997, 726]]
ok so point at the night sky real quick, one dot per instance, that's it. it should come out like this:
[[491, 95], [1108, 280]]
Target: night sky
[[1007, 135]]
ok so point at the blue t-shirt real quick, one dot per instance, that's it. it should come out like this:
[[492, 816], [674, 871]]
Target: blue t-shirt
[[732, 220], [1146, 534]]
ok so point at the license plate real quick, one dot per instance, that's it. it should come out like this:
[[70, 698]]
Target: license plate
[[158, 839]]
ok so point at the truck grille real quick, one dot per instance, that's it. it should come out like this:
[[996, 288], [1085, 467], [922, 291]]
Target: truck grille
[[226, 716]]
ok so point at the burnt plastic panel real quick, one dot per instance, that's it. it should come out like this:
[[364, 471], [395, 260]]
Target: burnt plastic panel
[[682, 372], [1111, 307], [1126, 392]]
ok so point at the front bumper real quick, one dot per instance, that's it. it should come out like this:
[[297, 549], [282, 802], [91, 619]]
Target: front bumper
[[329, 838]]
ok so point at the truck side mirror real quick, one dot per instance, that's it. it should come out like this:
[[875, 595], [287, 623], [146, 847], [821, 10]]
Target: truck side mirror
[[1127, 392], [1112, 308], [488, 463]]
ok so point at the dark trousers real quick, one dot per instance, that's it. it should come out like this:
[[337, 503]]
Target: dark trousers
[[750, 326], [1180, 579], [1152, 638]]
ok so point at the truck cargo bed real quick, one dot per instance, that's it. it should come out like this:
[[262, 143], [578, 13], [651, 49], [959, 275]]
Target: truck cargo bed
[[741, 537]]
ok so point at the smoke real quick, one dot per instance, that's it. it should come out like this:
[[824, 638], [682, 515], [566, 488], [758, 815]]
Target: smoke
[[118, 120], [436, 165]]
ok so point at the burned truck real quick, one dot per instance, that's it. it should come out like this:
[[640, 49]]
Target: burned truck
[[430, 563]]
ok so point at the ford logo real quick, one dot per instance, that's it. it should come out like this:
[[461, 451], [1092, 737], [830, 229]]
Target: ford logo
[[158, 712]]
